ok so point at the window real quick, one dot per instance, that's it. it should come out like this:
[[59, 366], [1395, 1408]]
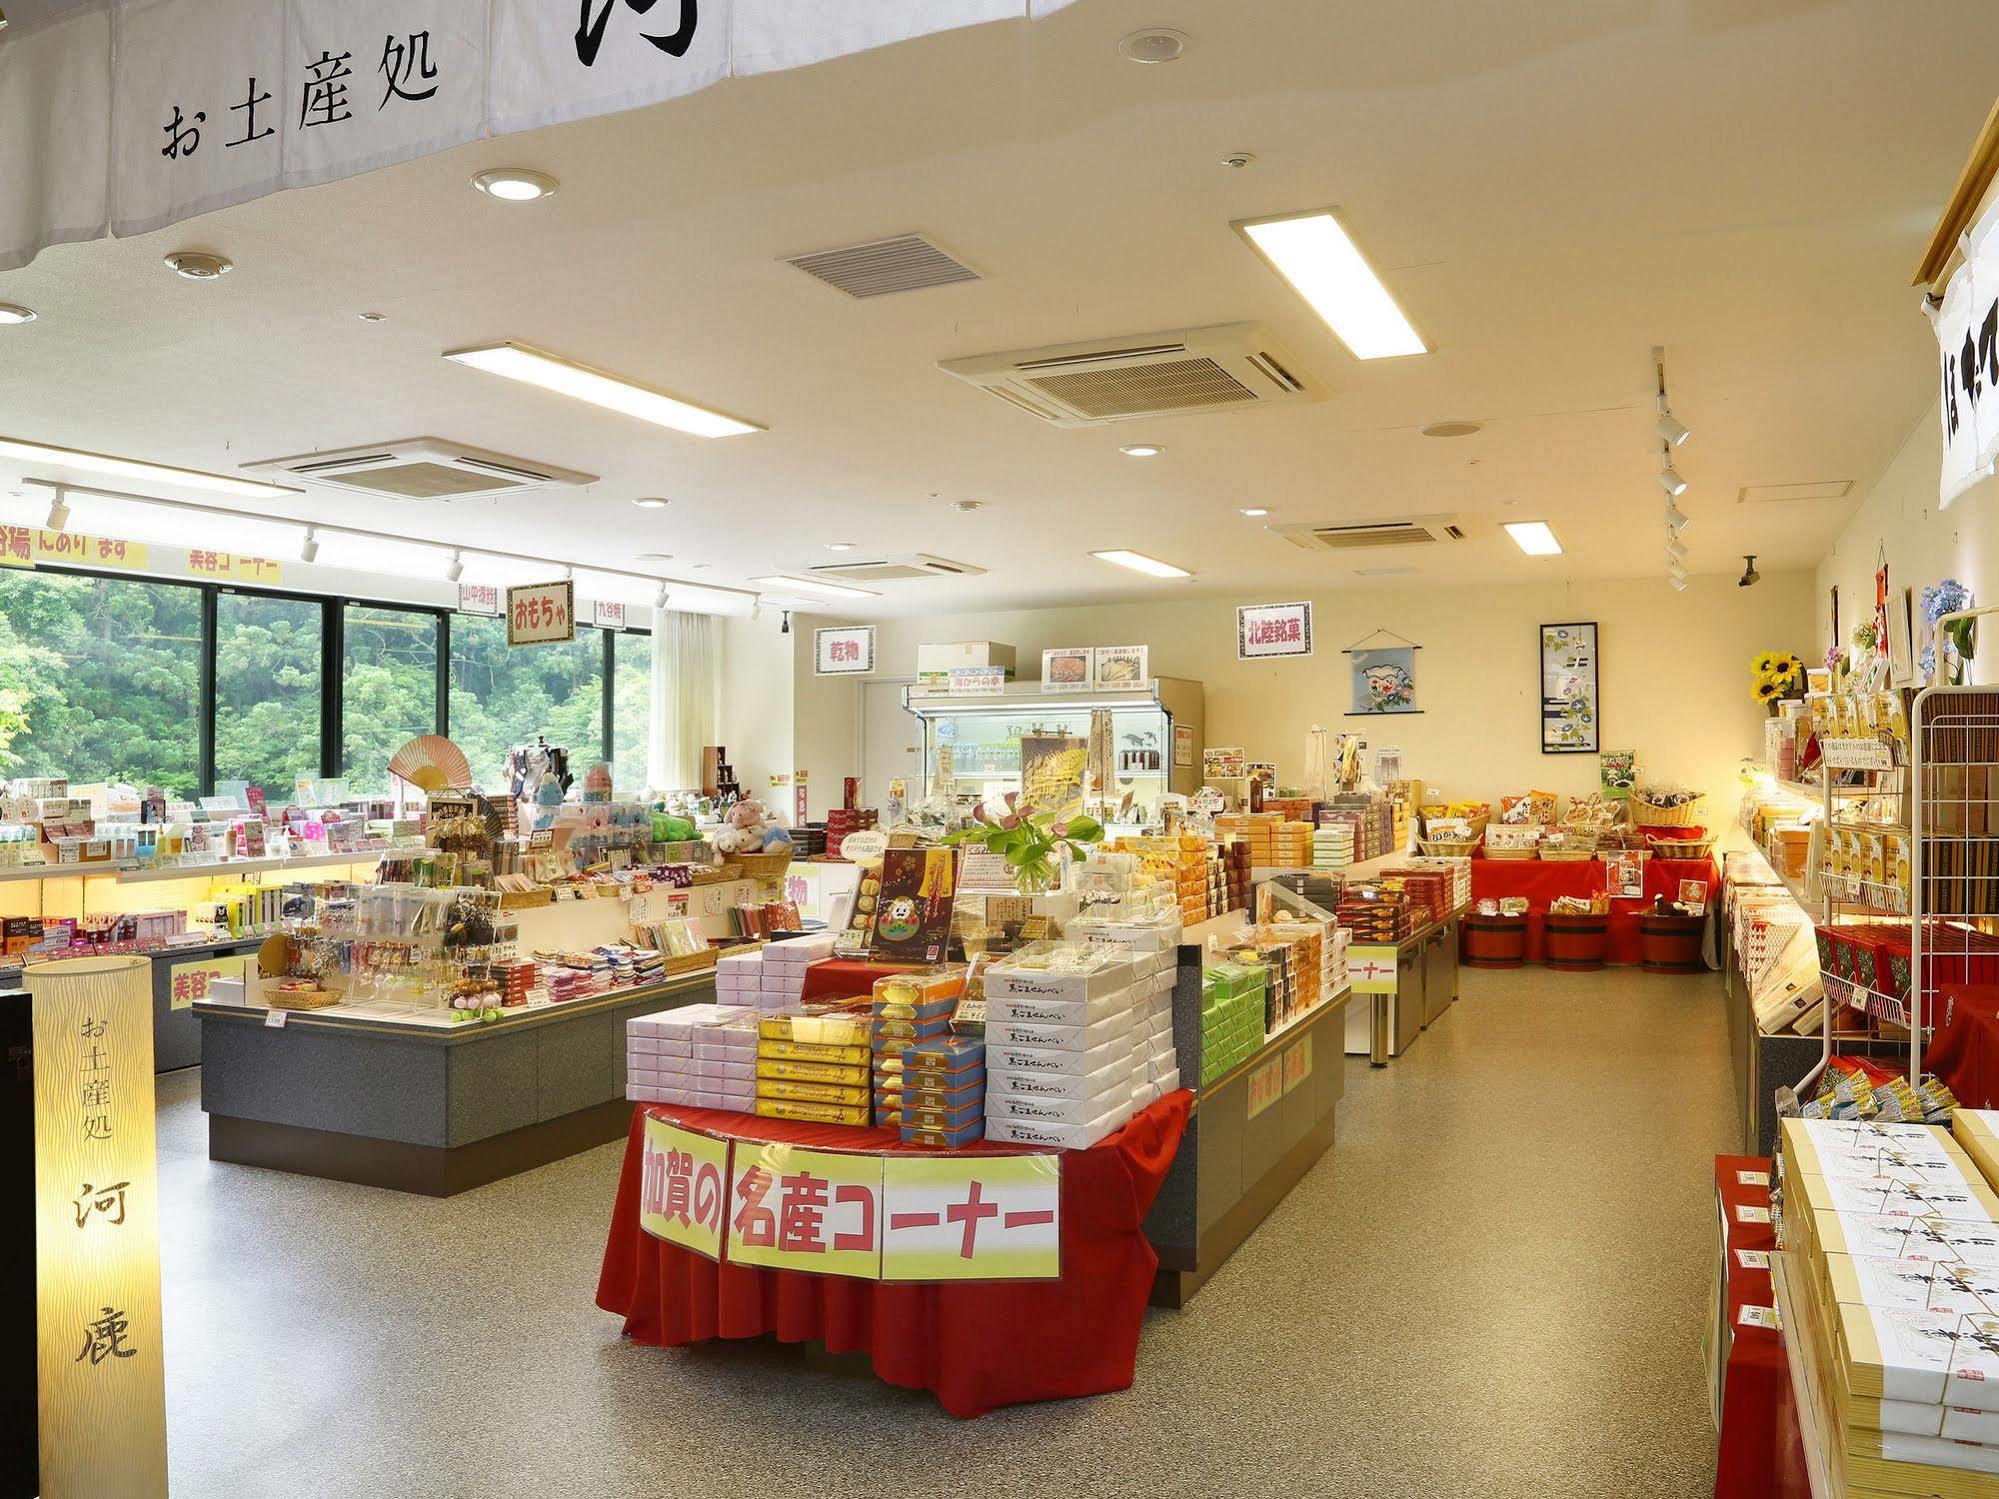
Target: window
[[501, 697], [100, 679], [631, 713], [388, 690], [267, 692]]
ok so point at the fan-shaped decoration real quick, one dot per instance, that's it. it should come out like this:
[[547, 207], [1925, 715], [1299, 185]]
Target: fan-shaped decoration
[[432, 762]]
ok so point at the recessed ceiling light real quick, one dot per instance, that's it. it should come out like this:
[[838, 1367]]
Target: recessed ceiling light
[[1313, 253], [1141, 450], [1254, 512], [372, 317], [1138, 562], [515, 184], [1154, 44], [12, 313], [131, 468], [816, 585], [199, 265], [697, 567], [1534, 538], [551, 372], [1381, 572], [839, 546], [657, 557], [651, 502], [1453, 429]]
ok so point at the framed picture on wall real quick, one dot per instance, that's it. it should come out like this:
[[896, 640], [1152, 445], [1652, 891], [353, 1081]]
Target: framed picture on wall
[[1571, 712]]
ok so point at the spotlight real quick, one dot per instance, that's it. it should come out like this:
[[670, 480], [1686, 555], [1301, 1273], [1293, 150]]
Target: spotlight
[[1676, 549], [1676, 572], [1672, 431], [1750, 577], [455, 569], [1676, 517], [58, 512], [784, 628], [660, 602], [1679, 584], [757, 609], [309, 548], [1671, 482]]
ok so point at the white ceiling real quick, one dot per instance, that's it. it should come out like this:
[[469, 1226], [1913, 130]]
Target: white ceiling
[[1549, 195]]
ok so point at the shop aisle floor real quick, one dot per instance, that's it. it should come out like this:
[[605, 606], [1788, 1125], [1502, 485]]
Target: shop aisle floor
[[1495, 1285]]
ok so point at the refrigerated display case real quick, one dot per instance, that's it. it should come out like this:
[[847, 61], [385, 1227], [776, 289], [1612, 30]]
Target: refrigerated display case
[[1157, 729]]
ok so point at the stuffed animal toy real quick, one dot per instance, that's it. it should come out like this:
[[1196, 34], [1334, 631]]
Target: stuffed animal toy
[[744, 829]]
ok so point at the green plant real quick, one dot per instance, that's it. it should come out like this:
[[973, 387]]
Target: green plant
[[1028, 839]]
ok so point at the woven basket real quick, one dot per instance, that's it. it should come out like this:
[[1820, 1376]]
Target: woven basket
[[1448, 848], [764, 866], [1682, 848], [1566, 855], [297, 999], [1651, 815], [1512, 853]]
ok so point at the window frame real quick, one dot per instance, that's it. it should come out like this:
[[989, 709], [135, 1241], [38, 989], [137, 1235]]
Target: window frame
[[332, 660]]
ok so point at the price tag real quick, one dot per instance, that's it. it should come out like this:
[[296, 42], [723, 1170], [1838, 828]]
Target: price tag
[[1753, 1178], [1744, 1213], [1758, 1316], [1753, 1259], [274, 1020]]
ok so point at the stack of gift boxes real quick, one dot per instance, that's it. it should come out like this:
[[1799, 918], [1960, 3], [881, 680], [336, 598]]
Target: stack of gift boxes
[[772, 977], [699, 1056], [1375, 914], [927, 1083], [841, 821], [1075, 1043], [1332, 845], [1233, 1004], [1891, 1257], [1431, 893], [813, 1067]]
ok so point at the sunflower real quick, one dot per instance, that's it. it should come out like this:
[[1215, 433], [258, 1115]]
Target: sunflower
[[1763, 663], [1788, 665], [1767, 690]]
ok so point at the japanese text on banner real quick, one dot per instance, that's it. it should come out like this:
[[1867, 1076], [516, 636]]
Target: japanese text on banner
[[791, 1208], [956, 1217], [682, 1184]]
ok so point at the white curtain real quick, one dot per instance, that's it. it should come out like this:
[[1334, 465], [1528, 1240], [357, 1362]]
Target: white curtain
[[686, 697]]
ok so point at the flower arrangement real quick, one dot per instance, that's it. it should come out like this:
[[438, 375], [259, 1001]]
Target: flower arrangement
[[1028, 839], [1949, 597], [1774, 675]]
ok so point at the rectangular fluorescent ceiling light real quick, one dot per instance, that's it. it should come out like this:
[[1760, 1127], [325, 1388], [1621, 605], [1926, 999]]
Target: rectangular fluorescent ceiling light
[[580, 382], [816, 585], [1138, 562], [1313, 253], [130, 468], [1534, 538]]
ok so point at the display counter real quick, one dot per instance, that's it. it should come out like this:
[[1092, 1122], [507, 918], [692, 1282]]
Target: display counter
[[413, 1102], [1387, 1021], [1540, 881]]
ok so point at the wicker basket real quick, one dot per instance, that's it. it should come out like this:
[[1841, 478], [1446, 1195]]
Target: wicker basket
[[301, 999], [1559, 854], [521, 900], [692, 962], [1682, 848], [764, 866], [1512, 853], [1448, 848], [1652, 815]]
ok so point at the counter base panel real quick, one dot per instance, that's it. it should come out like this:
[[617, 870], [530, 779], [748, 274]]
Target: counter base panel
[[425, 1170]]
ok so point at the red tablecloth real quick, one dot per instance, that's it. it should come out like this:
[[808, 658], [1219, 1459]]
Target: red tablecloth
[[1760, 1454], [975, 1345], [1540, 881], [1964, 1051]]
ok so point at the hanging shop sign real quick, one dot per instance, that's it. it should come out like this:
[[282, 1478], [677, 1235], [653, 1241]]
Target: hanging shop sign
[[25, 546], [123, 116], [975, 681], [541, 613], [478, 598], [229, 567], [607, 616], [843, 651], [1265, 632], [1966, 323]]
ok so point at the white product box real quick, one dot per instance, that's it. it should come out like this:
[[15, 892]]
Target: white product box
[[672, 1046], [1057, 1084], [1112, 1028], [1014, 1010], [639, 1045], [1001, 1057], [706, 1068], [1056, 1136], [1961, 1425], [1169, 1082], [940, 658], [1057, 1110], [1004, 981]]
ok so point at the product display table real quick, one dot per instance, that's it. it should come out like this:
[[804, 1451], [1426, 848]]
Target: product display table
[[1760, 1454], [416, 1104], [1540, 881], [976, 1345], [1964, 1049], [842, 978]]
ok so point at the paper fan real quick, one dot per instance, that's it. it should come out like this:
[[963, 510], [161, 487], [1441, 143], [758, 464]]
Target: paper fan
[[432, 762]]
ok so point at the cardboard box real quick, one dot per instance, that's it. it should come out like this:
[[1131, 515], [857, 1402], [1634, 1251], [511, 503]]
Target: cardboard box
[[1899, 1354], [942, 657]]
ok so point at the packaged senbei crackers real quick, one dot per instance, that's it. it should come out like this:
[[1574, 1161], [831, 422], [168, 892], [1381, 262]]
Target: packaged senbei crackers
[[815, 1113], [837, 1029], [920, 986], [812, 1072], [806, 1051], [811, 1092]]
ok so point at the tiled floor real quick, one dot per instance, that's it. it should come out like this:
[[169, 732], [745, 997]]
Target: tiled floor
[[1495, 1285]]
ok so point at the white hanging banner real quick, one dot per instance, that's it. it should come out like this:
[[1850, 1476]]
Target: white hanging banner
[[1967, 329], [124, 116]]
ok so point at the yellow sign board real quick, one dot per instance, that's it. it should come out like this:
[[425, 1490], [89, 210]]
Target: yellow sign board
[[682, 1186], [1266, 1086], [233, 567], [1297, 1064], [791, 1208], [102, 1379], [1371, 967], [25, 546], [959, 1217], [189, 983]]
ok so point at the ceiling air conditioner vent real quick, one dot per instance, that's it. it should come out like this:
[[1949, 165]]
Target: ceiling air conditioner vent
[[1224, 368], [1421, 530], [421, 468], [908, 262], [898, 569]]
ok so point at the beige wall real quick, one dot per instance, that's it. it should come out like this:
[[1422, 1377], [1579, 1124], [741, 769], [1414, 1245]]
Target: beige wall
[[757, 712], [1675, 674], [1923, 545]]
